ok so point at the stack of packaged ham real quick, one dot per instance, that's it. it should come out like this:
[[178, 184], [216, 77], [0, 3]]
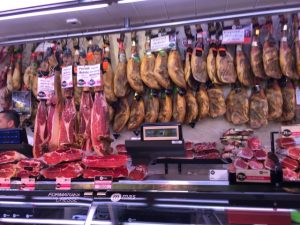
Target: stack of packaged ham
[[245, 150], [15, 164], [288, 153], [202, 150]]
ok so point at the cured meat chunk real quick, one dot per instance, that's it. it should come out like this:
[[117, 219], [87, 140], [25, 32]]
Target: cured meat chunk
[[138, 173], [289, 175], [122, 115], [152, 109], [175, 69], [225, 66], [254, 143], [258, 109], [10, 156], [165, 109], [256, 165], [109, 161], [246, 153], [62, 155], [100, 132], [179, 108], [91, 173], [260, 155], [40, 129], [205, 146], [161, 74], [66, 170], [32, 163], [137, 114], [191, 108], [8, 170], [293, 152], [147, 71], [203, 103], [269, 164], [243, 67]]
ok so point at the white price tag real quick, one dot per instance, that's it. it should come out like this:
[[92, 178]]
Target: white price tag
[[63, 183], [66, 77], [4, 183], [218, 175], [298, 95], [45, 87], [83, 76], [160, 43], [95, 75], [233, 36], [27, 184], [103, 182], [176, 142]]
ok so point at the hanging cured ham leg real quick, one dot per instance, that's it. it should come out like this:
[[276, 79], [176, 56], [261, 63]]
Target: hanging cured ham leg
[[40, 130]]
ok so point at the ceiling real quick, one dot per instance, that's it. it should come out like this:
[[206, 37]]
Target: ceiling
[[145, 12]]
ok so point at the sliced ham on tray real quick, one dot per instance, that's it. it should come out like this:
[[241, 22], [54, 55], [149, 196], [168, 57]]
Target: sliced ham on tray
[[260, 155], [254, 143], [205, 146], [286, 142], [8, 170], [240, 163], [109, 161], [28, 168], [289, 175], [11, 156], [269, 164], [62, 155], [245, 153], [293, 152], [256, 165], [66, 170]]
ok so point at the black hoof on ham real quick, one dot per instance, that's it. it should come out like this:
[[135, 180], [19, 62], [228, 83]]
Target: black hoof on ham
[[136, 132], [116, 135]]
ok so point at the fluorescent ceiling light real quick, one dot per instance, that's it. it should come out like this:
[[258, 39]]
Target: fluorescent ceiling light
[[54, 11], [17, 4], [129, 1]]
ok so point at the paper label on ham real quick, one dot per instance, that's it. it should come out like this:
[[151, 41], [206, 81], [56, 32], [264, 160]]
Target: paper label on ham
[[66, 77], [298, 95], [45, 87], [160, 43], [237, 36], [89, 76]]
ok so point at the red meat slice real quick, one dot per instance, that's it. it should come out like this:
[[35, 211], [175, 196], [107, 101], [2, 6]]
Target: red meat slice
[[189, 154], [189, 146], [289, 175], [240, 163], [27, 173], [66, 170], [121, 172], [245, 153], [288, 162], [293, 152], [110, 161], [62, 155], [121, 148], [8, 170], [260, 155], [286, 142], [33, 163], [205, 146], [229, 148], [28, 168], [254, 143], [138, 173], [208, 154], [228, 155], [11, 156], [256, 165]]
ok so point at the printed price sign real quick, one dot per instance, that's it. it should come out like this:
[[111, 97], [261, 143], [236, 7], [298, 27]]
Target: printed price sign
[[237, 36], [218, 175], [291, 131], [67, 77], [45, 87], [89, 76], [95, 75], [162, 43], [22, 101], [27, 184], [4, 183], [103, 182], [253, 176], [63, 183]]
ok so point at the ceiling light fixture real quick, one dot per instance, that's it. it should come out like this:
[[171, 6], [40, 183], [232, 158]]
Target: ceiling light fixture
[[17, 4], [129, 1], [54, 11]]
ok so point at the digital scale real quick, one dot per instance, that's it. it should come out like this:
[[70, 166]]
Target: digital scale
[[157, 140], [15, 139]]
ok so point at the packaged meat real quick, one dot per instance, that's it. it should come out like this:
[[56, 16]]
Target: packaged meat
[[258, 108], [8, 170], [10, 156], [109, 161], [289, 175], [138, 173], [269, 164], [293, 152], [62, 155], [65, 170], [287, 162], [237, 106], [254, 143], [240, 163], [255, 165], [245, 153], [217, 106], [260, 154]]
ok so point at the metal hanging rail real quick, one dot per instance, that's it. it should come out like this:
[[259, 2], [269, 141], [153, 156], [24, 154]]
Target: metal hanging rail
[[128, 28]]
